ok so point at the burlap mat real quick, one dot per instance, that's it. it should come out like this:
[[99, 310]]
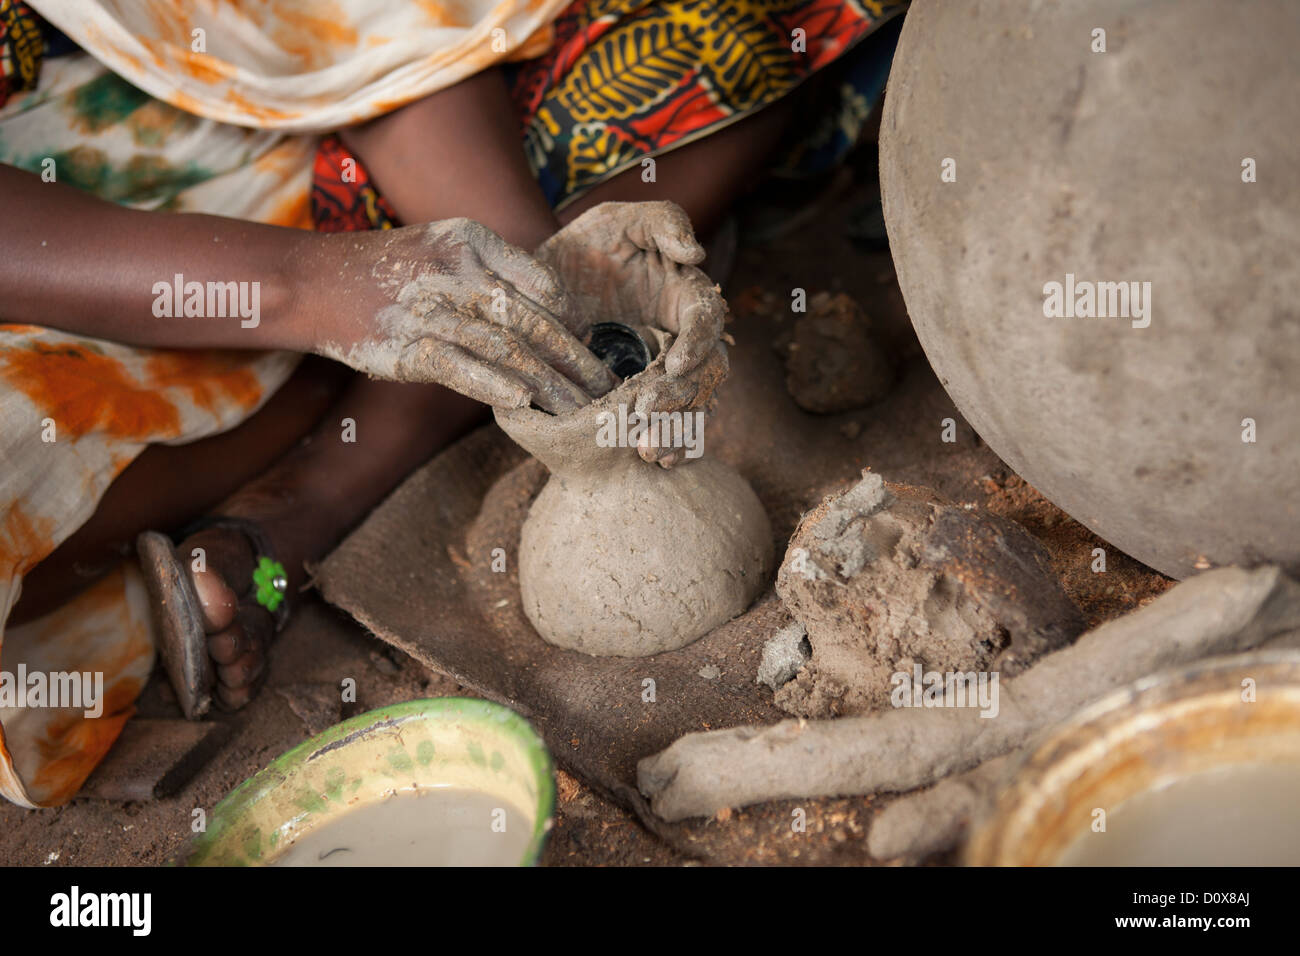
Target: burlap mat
[[418, 574]]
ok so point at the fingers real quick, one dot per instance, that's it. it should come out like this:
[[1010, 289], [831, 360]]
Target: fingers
[[556, 346], [502, 347], [666, 227], [480, 316], [488, 360], [689, 304], [534, 279], [693, 308], [533, 303], [685, 395], [668, 394], [433, 360], [652, 226], [488, 364], [508, 341]]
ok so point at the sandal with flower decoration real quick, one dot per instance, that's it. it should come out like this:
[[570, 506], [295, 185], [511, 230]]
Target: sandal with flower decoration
[[218, 598]]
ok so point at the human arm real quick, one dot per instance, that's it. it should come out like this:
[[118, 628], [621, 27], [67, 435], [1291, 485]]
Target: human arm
[[446, 302]]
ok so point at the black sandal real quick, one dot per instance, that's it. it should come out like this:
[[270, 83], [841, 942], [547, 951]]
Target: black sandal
[[178, 616]]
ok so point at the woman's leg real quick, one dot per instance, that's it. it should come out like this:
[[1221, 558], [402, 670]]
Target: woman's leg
[[169, 485], [288, 469], [457, 153], [307, 501]]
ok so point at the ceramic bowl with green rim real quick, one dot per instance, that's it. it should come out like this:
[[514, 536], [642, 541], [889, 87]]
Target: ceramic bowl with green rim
[[448, 744]]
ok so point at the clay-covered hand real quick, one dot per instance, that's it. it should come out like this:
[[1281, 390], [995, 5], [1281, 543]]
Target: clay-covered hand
[[451, 302], [636, 263]]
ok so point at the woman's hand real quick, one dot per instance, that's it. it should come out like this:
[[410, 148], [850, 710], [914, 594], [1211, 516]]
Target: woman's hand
[[635, 263], [453, 303]]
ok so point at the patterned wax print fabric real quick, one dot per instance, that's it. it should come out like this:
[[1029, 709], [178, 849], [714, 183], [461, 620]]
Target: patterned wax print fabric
[[629, 79]]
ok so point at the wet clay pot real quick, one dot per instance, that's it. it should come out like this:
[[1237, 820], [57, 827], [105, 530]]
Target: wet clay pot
[[622, 557]]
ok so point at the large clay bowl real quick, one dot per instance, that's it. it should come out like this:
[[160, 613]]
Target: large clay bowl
[[1114, 166]]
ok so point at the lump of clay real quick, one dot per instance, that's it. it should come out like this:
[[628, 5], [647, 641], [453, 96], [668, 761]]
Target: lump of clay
[[833, 362], [783, 655], [886, 576], [622, 557]]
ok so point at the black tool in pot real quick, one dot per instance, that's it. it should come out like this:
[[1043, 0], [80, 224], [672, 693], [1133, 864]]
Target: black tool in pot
[[620, 347]]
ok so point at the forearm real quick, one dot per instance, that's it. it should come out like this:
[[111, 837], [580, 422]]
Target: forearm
[[74, 262]]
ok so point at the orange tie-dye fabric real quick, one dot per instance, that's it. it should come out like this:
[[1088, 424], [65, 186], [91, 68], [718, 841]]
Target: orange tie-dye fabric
[[186, 107], [300, 65], [74, 412]]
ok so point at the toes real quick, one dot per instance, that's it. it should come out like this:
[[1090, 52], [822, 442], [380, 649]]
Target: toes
[[216, 600], [239, 683], [233, 698], [240, 655], [226, 559], [243, 671], [228, 646]]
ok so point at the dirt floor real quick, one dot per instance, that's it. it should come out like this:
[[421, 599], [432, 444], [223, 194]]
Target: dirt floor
[[322, 644]]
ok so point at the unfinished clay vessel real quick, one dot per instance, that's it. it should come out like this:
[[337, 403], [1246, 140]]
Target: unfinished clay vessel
[[623, 557]]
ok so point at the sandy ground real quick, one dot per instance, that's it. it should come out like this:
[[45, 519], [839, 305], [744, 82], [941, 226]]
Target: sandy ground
[[321, 645]]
